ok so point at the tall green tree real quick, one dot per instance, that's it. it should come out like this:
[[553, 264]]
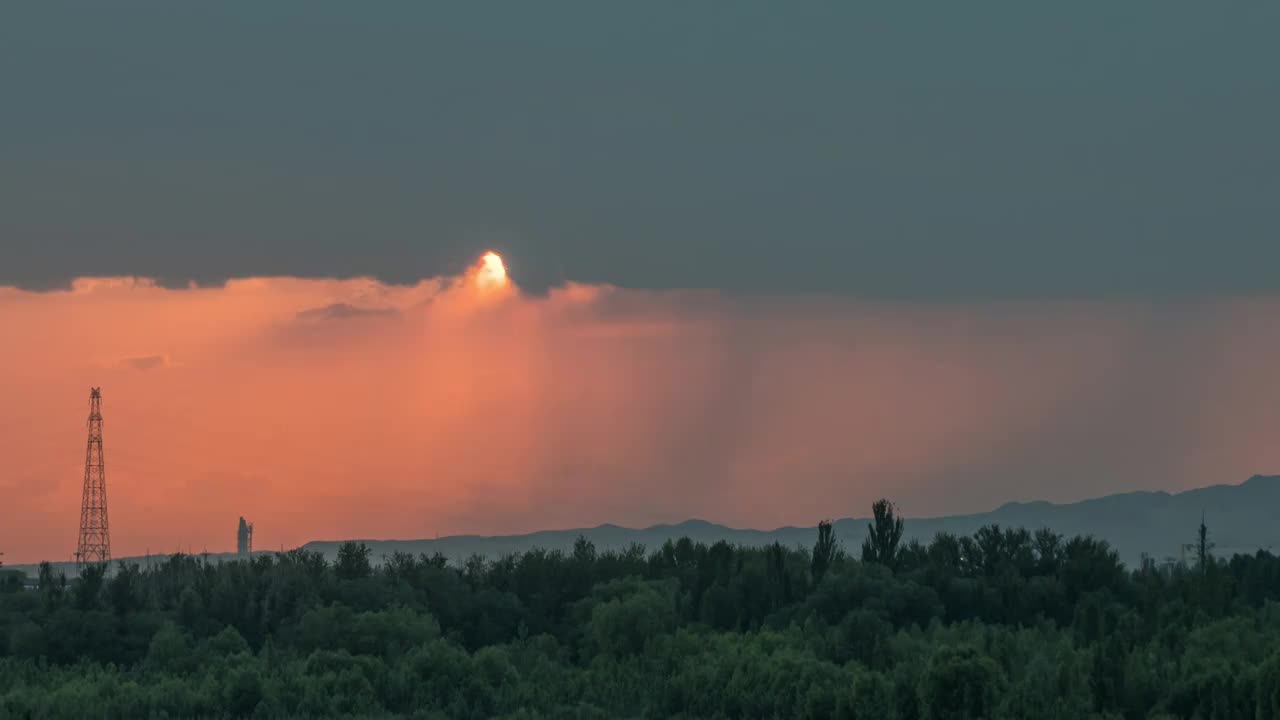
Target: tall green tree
[[353, 561], [884, 534], [824, 551]]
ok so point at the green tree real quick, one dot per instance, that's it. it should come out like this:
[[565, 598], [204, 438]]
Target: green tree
[[1268, 689], [169, 650], [191, 613], [353, 561], [27, 641], [88, 590], [242, 692], [623, 624], [122, 590], [779, 580], [824, 551], [884, 534], [227, 643], [960, 684], [870, 698]]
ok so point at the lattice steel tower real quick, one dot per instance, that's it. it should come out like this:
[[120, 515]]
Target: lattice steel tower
[[95, 539]]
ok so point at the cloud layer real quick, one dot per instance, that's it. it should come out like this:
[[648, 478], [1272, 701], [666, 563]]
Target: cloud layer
[[324, 409]]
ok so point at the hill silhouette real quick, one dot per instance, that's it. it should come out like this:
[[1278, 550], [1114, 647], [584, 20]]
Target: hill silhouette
[[1241, 519]]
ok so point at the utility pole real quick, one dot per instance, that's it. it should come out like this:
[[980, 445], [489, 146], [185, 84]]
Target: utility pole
[[94, 546], [1203, 546]]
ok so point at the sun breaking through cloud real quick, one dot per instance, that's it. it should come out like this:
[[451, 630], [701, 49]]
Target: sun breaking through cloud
[[491, 273]]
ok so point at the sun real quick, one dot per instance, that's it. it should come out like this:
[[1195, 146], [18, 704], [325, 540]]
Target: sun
[[491, 273]]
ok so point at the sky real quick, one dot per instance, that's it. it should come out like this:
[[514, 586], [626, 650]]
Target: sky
[[767, 263]]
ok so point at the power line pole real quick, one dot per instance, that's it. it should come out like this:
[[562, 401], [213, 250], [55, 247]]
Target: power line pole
[[94, 546], [1203, 546]]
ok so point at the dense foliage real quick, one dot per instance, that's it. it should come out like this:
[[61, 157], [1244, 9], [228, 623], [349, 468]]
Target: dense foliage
[[1003, 624]]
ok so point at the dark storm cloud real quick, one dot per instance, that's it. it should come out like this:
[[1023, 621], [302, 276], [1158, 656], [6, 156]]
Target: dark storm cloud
[[883, 151]]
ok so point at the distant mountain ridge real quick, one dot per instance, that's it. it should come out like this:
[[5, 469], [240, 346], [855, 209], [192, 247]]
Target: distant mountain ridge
[[1241, 518]]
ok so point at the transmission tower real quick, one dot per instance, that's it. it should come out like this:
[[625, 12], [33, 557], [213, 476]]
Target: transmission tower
[[95, 539]]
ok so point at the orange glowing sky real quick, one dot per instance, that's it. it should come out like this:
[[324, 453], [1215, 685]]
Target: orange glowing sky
[[327, 408]]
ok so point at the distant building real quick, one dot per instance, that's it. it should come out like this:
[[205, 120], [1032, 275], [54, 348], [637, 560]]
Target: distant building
[[244, 539]]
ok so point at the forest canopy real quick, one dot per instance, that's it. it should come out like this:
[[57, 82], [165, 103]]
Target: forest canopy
[[1007, 623]]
